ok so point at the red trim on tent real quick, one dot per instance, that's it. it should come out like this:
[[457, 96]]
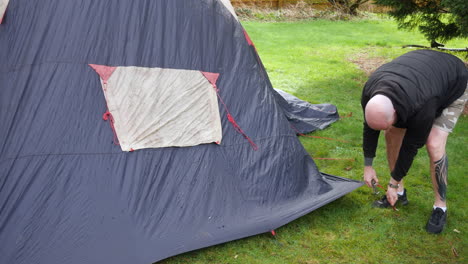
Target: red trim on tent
[[107, 116], [212, 78], [105, 72], [248, 38]]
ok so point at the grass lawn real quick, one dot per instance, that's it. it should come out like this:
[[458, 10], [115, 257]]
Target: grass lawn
[[326, 62]]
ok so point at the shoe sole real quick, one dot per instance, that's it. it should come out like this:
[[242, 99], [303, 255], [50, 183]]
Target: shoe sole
[[428, 225], [434, 232]]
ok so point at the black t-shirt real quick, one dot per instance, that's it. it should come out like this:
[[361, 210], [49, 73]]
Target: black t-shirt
[[420, 84]]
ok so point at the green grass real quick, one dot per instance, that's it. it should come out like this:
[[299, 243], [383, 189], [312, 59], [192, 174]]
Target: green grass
[[312, 61]]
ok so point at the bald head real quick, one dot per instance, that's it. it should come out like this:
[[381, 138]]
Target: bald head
[[379, 112]]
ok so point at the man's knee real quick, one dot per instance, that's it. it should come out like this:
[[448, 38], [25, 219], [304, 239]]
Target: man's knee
[[436, 141]]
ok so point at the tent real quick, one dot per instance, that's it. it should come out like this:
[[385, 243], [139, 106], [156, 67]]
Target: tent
[[132, 131]]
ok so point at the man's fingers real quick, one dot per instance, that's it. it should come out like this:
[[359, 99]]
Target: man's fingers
[[373, 182]]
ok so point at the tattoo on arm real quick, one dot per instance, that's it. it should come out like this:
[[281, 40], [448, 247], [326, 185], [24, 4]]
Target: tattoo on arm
[[441, 170]]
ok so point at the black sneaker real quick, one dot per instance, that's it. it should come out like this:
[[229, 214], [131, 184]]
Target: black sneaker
[[383, 203], [436, 223]]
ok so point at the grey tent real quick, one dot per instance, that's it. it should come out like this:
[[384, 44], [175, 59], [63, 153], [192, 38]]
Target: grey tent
[[132, 131]]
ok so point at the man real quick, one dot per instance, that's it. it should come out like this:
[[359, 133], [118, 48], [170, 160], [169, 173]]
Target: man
[[416, 99]]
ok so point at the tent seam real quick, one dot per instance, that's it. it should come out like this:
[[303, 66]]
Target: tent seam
[[19, 67], [110, 153]]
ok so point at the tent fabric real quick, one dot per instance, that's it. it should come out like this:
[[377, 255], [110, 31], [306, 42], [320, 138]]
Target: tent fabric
[[155, 108], [228, 5], [304, 116], [69, 195], [3, 7]]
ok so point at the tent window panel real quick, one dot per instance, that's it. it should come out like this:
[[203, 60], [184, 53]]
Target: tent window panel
[[3, 7], [155, 107]]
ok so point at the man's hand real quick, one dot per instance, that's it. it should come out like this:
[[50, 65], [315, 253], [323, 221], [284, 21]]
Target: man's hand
[[369, 175], [392, 196]]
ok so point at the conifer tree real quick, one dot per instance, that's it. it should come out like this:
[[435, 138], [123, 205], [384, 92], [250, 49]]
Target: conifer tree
[[437, 20]]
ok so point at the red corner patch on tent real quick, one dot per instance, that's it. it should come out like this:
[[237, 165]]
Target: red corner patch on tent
[[211, 77], [105, 72]]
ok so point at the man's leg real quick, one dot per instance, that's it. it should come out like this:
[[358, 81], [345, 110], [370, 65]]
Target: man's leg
[[394, 138], [435, 145]]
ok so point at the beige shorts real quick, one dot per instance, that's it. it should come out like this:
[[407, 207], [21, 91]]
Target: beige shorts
[[449, 117]]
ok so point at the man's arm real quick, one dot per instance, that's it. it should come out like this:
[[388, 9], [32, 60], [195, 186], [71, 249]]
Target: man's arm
[[370, 140], [370, 137], [416, 135]]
